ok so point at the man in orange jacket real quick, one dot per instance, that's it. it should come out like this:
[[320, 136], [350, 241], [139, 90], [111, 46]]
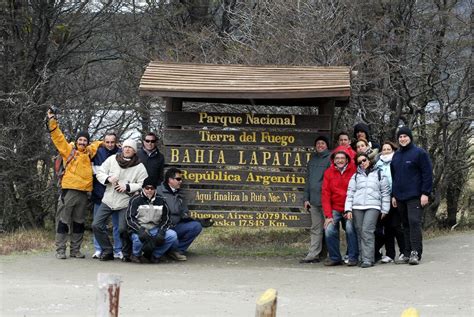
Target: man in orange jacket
[[75, 183]]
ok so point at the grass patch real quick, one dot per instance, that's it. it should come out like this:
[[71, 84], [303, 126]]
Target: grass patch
[[265, 242], [26, 241]]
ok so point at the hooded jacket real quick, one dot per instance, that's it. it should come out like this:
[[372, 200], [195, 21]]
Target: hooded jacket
[[368, 190], [335, 183], [78, 172], [148, 213], [132, 177], [383, 163], [364, 128], [314, 177], [412, 173], [175, 202]]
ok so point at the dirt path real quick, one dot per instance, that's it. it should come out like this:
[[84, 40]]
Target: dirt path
[[442, 285]]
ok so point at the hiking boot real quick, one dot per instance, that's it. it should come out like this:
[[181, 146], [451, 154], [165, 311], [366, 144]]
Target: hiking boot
[[176, 255], [330, 262], [118, 255], [414, 259], [96, 255], [61, 255], [135, 259], [77, 255], [309, 260], [154, 260], [126, 259], [402, 259], [365, 265], [352, 262], [106, 257], [386, 259]]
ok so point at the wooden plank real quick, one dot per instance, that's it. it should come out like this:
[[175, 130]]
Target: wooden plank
[[175, 155], [320, 122], [247, 137], [255, 219], [243, 198], [222, 177]]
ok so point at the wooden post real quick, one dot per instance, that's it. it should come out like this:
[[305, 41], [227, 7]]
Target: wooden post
[[108, 294], [267, 304]]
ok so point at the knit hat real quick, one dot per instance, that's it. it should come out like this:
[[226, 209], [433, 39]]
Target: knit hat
[[405, 130], [322, 138], [148, 182], [84, 134], [131, 143]]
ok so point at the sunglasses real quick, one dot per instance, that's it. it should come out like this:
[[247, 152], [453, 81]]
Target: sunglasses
[[150, 141], [361, 161], [179, 179], [148, 187]]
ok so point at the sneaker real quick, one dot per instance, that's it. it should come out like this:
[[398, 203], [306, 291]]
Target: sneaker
[[126, 259], [77, 255], [176, 255], [309, 260], [154, 260], [106, 256], [414, 259], [402, 259], [96, 255], [345, 258], [386, 259], [365, 265], [61, 255], [330, 262], [118, 255]]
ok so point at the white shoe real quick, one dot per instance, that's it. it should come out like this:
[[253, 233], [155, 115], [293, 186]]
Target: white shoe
[[118, 255], [386, 259], [345, 258], [96, 255]]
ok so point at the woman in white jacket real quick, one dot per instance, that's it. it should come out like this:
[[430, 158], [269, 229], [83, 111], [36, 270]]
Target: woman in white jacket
[[368, 195]]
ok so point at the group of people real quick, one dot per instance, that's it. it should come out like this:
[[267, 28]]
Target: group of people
[[149, 215], [376, 196]]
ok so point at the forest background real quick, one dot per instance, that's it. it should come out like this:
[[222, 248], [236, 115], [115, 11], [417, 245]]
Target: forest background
[[413, 61]]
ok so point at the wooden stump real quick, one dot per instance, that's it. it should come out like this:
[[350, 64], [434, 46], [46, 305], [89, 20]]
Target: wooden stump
[[108, 294], [267, 304]]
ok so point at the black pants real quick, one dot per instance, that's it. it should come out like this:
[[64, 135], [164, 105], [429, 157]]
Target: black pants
[[411, 214], [393, 231]]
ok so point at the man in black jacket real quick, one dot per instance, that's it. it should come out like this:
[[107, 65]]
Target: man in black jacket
[[186, 227], [153, 160], [148, 219]]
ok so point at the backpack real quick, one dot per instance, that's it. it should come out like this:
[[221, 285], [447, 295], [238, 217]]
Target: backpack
[[60, 166]]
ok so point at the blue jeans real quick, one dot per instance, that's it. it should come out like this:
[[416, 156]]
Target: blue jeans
[[170, 238], [187, 232], [115, 232], [332, 238]]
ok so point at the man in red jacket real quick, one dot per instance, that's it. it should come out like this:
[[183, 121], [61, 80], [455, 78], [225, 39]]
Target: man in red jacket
[[333, 196]]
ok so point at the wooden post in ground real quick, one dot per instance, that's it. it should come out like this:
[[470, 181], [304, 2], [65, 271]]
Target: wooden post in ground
[[267, 304], [108, 294]]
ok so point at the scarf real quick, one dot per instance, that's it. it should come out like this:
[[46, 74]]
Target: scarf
[[126, 162]]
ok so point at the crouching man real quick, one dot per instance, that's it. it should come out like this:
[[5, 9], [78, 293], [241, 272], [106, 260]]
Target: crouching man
[[185, 227], [148, 220]]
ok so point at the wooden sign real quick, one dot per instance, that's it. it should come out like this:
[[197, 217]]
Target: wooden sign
[[214, 197], [248, 157], [194, 176], [230, 138], [206, 119], [254, 219]]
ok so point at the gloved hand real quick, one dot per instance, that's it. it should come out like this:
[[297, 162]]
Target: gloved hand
[[206, 222], [160, 238], [143, 235]]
